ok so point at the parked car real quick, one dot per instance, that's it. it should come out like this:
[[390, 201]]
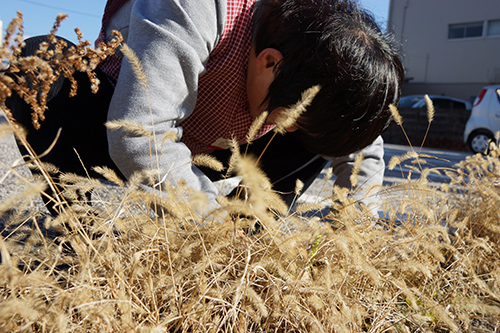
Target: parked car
[[484, 120], [439, 102]]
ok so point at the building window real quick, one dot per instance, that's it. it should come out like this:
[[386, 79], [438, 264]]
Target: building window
[[467, 30], [493, 28]]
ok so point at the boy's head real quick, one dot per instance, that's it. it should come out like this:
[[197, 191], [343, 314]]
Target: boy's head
[[340, 47]]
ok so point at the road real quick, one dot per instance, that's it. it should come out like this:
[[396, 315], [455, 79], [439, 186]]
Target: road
[[439, 160], [10, 178]]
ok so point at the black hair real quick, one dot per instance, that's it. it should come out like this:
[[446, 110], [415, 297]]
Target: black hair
[[334, 44]]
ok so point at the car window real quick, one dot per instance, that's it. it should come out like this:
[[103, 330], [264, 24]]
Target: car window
[[408, 101], [458, 105], [441, 103]]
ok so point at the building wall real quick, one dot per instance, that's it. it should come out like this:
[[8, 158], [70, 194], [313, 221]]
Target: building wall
[[436, 65]]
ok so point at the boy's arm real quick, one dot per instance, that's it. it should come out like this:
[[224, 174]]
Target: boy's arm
[[172, 40], [371, 173]]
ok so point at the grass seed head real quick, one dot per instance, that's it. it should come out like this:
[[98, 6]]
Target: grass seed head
[[430, 109], [289, 116], [256, 126], [395, 115], [135, 64], [208, 161]]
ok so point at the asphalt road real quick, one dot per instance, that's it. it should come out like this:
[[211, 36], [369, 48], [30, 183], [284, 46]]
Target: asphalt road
[[440, 160], [10, 182]]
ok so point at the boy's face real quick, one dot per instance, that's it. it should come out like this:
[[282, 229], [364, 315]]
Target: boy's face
[[260, 75]]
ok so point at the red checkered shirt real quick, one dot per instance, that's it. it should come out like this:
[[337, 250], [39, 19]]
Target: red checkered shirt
[[221, 111]]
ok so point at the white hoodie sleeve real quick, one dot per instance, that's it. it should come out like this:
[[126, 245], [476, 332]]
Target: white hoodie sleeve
[[172, 39], [370, 176]]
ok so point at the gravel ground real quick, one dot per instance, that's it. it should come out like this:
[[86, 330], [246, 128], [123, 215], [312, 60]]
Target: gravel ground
[[10, 177]]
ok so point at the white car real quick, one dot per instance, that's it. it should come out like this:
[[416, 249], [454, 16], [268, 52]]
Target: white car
[[484, 120]]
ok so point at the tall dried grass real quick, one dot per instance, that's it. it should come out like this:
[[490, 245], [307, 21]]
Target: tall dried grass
[[431, 265]]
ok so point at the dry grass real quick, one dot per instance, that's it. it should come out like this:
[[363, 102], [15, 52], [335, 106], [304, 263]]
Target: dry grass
[[432, 265]]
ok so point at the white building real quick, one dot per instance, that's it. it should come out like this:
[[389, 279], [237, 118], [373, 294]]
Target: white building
[[449, 47]]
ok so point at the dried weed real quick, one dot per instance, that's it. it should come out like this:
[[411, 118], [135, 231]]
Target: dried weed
[[432, 264]]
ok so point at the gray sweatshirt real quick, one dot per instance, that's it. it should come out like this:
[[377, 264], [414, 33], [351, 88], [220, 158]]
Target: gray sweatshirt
[[173, 39]]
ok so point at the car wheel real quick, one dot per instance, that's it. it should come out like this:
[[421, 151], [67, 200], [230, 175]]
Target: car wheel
[[479, 141]]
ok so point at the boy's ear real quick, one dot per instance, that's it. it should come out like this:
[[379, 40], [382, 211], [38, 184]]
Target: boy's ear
[[267, 59]]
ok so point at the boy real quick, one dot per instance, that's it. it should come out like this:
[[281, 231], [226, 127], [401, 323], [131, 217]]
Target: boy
[[213, 66]]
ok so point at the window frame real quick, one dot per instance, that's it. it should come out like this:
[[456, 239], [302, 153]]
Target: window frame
[[487, 29], [465, 26]]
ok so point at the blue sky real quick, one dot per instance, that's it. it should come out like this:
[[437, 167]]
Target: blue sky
[[39, 15]]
